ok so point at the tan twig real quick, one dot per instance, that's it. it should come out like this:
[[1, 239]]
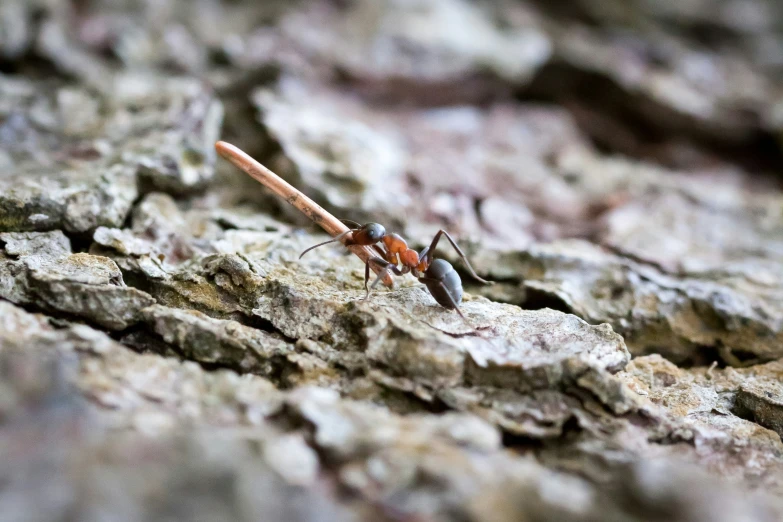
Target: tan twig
[[285, 190]]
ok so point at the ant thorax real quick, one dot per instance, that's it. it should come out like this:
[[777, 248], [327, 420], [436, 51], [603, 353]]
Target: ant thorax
[[409, 258], [394, 243]]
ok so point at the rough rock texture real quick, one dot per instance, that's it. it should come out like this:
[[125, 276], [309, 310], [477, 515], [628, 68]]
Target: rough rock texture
[[734, 310], [39, 268], [611, 166], [252, 450], [74, 161]]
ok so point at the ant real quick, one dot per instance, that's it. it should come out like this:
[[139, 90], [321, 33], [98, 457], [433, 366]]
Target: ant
[[438, 275]]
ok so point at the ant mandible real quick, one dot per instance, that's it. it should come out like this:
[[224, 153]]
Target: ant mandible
[[438, 275]]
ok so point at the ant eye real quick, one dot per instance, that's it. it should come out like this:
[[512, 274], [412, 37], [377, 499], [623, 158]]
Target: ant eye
[[375, 231]]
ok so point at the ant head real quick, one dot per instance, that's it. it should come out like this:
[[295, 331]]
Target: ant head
[[374, 231]]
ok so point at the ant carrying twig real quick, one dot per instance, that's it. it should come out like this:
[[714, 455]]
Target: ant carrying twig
[[438, 275], [333, 226]]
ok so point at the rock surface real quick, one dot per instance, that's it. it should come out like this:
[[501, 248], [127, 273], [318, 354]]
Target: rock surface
[[165, 354]]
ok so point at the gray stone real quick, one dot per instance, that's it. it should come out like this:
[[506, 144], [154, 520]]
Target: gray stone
[[39, 268], [165, 354]]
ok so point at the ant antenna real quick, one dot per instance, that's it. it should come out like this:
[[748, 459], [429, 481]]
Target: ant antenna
[[351, 222], [336, 238]]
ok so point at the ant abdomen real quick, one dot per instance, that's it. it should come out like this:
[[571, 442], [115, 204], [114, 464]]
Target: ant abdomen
[[444, 283]]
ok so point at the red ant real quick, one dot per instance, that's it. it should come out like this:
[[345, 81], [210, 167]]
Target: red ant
[[438, 275]]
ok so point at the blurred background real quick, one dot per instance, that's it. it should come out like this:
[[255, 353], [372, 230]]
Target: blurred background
[[621, 160], [505, 120]]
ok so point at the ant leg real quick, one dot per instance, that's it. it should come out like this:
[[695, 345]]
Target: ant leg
[[423, 253], [445, 288], [383, 255], [336, 238], [375, 283], [380, 250], [459, 252], [387, 267]]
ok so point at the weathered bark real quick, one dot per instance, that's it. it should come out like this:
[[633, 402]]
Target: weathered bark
[[610, 165]]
